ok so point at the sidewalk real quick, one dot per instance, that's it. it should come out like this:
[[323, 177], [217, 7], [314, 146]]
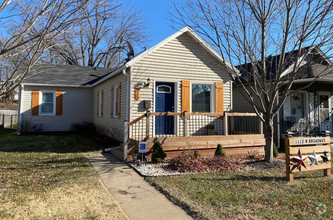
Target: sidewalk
[[137, 198]]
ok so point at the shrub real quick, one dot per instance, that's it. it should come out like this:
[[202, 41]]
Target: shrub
[[104, 137], [187, 163], [219, 152], [26, 126], [84, 128], [158, 154], [275, 151]]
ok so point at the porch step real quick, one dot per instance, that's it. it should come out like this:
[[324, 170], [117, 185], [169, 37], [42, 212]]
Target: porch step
[[119, 153]]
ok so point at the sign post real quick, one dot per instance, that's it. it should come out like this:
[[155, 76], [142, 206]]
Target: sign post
[[142, 149]]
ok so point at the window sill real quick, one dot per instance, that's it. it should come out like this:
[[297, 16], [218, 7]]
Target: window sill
[[46, 114]]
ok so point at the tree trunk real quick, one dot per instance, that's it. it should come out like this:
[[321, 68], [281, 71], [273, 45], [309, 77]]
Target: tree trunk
[[269, 131]]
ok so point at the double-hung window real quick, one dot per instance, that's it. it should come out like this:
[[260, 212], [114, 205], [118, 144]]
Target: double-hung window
[[201, 98], [47, 103]]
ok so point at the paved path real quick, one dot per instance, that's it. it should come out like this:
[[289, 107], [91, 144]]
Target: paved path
[[137, 198]]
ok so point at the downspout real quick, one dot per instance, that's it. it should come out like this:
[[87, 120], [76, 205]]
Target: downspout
[[127, 95], [20, 110], [127, 117]]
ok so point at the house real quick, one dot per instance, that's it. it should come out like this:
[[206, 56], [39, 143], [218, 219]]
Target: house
[[308, 109], [171, 91]]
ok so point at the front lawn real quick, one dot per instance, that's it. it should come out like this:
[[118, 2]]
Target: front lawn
[[48, 177], [257, 194]]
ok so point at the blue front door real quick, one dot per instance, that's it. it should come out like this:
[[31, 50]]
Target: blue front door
[[164, 102]]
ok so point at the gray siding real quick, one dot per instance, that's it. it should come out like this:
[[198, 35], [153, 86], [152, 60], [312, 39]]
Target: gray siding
[[240, 104], [180, 59], [115, 125], [77, 107]]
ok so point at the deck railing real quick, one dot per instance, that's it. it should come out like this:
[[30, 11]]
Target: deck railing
[[305, 128], [184, 124]]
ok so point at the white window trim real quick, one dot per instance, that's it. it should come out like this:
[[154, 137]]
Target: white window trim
[[40, 103], [100, 104], [115, 99], [212, 93], [163, 91]]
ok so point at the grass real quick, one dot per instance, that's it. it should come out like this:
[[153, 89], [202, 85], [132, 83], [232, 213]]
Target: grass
[[48, 177], [254, 194]]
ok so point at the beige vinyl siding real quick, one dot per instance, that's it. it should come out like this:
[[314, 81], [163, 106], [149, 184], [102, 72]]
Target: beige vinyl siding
[[77, 107], [180, 59], [115, 125]]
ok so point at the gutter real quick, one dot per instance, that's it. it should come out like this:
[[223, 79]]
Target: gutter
[[121, 69]]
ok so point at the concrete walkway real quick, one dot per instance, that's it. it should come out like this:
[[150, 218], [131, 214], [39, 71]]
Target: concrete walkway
[[137, 198]]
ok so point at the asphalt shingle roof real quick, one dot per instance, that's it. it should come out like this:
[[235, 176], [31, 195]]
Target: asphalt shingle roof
[[49, 74], [318, 65]]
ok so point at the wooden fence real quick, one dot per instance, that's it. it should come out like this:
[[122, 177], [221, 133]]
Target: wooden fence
[[8, 121]]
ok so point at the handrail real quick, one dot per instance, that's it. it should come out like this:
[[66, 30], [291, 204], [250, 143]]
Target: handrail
[[137, 119], [166, 113], [205, 114], [241, 114]]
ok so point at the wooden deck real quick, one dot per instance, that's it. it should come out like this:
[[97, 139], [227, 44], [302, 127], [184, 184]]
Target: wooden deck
[[206, 145]]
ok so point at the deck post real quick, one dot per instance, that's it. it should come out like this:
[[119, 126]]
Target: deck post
[[225, 124], [185, 127], [125, 139], [147, 124], [261, 125], [3, 120]]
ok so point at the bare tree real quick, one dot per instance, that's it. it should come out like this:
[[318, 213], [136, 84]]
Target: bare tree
[[101, 39], [246, 31], [28, 27]]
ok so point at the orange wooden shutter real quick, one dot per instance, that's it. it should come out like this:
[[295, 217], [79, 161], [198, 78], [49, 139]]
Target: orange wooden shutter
[[97, 104], [112, 101], [102, 99], [219, 97], [186, 91], [137, 94], [35, 103], [119, 102], [59, 102]]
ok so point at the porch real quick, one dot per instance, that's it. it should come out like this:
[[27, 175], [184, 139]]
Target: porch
[[307, 112], [238, 133]]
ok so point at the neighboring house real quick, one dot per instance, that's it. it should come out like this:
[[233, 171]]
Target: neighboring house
[[306, 111], [181, 73]]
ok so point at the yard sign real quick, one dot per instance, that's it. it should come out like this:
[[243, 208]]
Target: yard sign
[[307, 154]]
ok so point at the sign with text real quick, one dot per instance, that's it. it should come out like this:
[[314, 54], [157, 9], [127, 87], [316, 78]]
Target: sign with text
[[309, 141], [142, 147], [307, 154]]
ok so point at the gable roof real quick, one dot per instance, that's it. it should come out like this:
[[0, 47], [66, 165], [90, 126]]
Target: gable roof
[[320, 63], [70, 75], [65, 75], [187, 30]]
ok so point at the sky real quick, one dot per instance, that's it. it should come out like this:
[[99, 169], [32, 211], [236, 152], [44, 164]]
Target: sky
[[155, 12]]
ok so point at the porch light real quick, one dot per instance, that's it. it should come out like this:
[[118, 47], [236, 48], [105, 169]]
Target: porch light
[[148, 82]]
